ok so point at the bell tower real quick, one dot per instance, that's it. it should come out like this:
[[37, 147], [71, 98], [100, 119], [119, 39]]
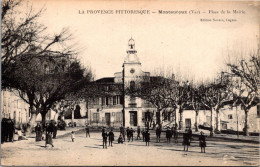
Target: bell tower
[[132, 64]]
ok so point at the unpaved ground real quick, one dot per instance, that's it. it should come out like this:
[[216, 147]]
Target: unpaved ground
[[89, 151]]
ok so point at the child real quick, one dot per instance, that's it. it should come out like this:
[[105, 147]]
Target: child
[[120, 139], [72, 136], [111, 137], [202, 140], [87, 131]]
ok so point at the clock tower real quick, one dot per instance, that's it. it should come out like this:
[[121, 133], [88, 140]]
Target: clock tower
[[132, 65]]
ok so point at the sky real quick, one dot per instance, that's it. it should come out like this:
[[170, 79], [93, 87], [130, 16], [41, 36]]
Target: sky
[[180, 43]]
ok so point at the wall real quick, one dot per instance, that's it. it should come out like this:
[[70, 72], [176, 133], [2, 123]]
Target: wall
[[12, 106], [237, 121]]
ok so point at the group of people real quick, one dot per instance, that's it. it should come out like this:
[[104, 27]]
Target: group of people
[[130, 134], [50, 130], [110, 135], [9, 130], [170, 133]]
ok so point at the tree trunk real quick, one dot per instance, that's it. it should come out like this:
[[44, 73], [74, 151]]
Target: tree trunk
[[217, 121], [211, 122], [246, 133], [43, 114], [196, 121], [159, 121], [32, 122], [181, 117]]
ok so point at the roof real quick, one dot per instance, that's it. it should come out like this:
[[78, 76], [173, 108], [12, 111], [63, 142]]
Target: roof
[[105, 80]]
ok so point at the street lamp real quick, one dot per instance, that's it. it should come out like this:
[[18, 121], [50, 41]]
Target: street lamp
[[123, 79]]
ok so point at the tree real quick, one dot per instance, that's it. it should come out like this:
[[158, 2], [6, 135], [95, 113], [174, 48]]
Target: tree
[[183, 97], [214, 95], [196, 103], [35, 64], [156, 91], [23, 37], [43, 82], [246, 82]]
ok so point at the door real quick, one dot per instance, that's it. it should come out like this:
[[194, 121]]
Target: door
[[188, 123], [107, 115], [133, 118]]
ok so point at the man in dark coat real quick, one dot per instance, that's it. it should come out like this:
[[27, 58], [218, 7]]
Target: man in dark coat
[[131, 134], [168, 134], [186, 140], [128, 134], [55, 129], [158, 133], [147, 137], [111, 137], [4, 130], [104, 136], [10, 130]]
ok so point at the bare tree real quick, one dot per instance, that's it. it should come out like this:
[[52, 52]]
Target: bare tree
[[214, 95], [156, 91], [196, 103], [246, 82], [23, 37]]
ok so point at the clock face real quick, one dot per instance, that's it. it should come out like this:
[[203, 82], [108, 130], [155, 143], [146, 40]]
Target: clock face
[[132, 70]]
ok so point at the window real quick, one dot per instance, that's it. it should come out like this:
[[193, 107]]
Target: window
[[107, 100], [114, 100], [224, 126], [103, 101], [96, 117], [230, 116], [119, 117], [132, 86]]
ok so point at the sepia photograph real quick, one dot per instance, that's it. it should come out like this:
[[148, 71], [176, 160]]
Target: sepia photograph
[[130, 83]]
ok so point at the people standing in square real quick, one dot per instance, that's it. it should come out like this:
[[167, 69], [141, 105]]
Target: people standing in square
[[147, 137], [202, 142], [104, 136], [111, 137], [158, 133], [168, 134]]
